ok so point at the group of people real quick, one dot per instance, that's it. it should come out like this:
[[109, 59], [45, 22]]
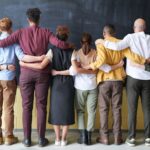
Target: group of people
[[80, 78]]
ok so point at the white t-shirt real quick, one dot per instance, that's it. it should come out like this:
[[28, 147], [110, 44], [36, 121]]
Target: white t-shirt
[[139, 43], [83, 81]]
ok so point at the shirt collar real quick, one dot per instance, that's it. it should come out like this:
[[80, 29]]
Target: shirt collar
[[4, 34]]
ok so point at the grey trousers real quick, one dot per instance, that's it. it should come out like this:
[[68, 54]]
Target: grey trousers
[[83, 99], [135, 89], [110, 93]]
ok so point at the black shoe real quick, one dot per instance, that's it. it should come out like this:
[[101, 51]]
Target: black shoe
[[43, 142], [89, 141], [27, 142], [83, 137]]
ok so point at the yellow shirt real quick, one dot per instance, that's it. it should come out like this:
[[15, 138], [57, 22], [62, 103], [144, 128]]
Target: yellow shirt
[[107, 56]]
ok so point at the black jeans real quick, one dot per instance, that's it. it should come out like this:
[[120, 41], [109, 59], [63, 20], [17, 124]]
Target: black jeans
[[135, 89]]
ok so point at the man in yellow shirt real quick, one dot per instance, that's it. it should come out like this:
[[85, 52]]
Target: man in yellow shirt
[[111, 85]]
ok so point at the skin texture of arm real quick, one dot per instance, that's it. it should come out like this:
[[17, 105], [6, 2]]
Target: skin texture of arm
[[120, 64], [81, 70], [39, 66], [29, 58], [64, 72]]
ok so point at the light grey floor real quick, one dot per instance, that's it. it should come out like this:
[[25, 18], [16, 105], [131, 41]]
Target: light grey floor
[[72, 145]]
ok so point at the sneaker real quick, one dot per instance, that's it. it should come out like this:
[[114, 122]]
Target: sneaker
[[1, 140], [11, 139], [63, 143], [57, 143], [130, 142], [147, 142]]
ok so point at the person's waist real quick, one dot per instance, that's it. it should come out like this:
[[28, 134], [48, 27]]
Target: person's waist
[[45, 70]]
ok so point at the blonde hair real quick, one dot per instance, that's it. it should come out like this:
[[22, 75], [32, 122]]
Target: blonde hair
[[5, 24]]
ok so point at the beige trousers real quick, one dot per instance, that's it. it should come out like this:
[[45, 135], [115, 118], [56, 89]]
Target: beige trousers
[[7, 99]]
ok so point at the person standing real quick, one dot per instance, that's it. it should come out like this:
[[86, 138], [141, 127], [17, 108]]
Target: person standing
[[138, 80], [8, 81], [61, 113], [34, 41], [111, 85]]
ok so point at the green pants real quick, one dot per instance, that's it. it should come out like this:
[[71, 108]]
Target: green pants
[[86, 99]]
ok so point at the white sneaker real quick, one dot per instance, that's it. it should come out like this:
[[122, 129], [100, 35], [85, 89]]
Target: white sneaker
[[57, 143], [130, 142], [63, 143], [147, 142]]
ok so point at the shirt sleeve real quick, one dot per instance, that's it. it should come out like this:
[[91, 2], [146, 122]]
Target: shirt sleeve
[[101, 57], [122, 44], [74, 56], [72, 72], [105, 67], [49, 55], [56, 42], [11, 39], [18, 51]]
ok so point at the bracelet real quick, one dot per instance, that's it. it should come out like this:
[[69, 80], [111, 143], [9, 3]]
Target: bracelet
[[6, 67]]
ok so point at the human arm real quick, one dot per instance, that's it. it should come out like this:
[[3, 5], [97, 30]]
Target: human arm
[[63, 72], [42, 65], [8, 67], [11, 39], [26, 58], [100, 60], [136, 65], [134, 57], [58, 43], [120, 45]]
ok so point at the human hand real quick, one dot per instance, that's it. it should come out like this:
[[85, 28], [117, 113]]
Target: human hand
[[121, 63], [21, 63], [99, 41], [86, 66], [147, 61], [11, 67], [71, 45], [54, 72], [40, 58]]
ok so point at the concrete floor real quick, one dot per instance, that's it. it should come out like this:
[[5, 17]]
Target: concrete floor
[[72, 145]]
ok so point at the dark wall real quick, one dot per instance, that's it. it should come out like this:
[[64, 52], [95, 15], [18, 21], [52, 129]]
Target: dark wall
[[80, 15]]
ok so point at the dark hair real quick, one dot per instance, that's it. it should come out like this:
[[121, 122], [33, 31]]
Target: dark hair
[[86, 38], [62, 37], [33, 14], [109, 28]]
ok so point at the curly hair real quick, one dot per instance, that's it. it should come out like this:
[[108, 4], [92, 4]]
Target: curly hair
[[5, 24]]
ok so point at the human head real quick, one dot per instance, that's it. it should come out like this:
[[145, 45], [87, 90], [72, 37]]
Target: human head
[[62, 32], [86, 41], [5, 24], [139, 25], [109, 30], [33, 15]]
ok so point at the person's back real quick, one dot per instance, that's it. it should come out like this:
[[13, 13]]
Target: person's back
[[7, 57], [85, 81], [139, 43]]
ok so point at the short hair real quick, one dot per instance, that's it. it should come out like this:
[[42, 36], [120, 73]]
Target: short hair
[[86, 38], [5, 24], [33, 14], [109, 28]]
